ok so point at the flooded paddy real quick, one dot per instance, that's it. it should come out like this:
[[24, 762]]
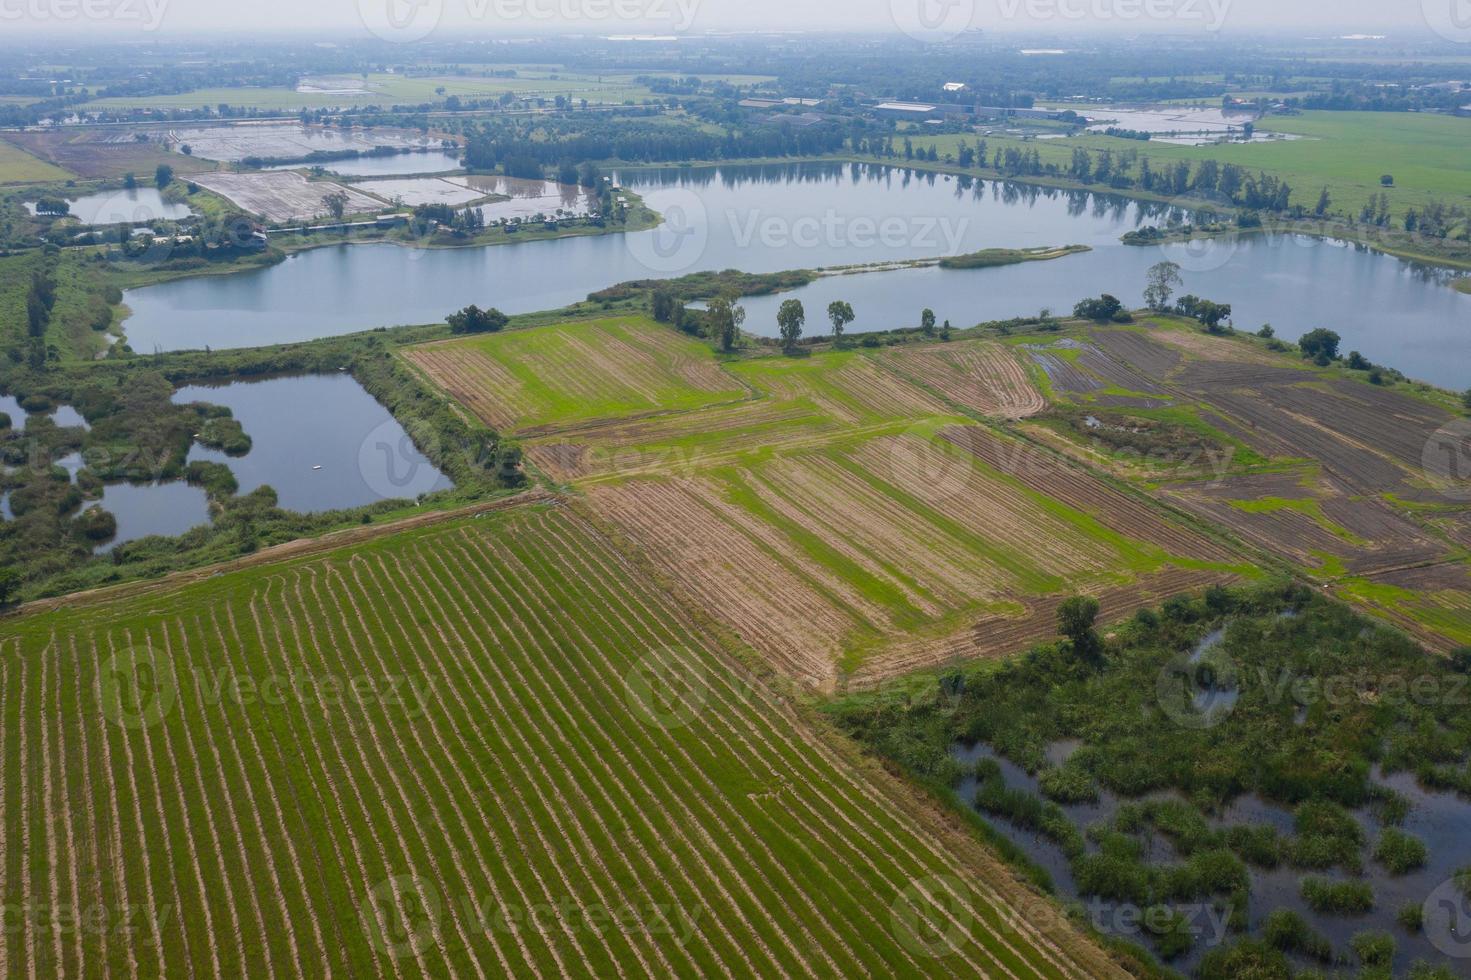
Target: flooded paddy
[[231, 144]]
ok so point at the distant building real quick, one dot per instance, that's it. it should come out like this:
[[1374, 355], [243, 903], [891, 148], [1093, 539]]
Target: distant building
[[760, 103], [1465, 110], [905, 110], [954, 86]]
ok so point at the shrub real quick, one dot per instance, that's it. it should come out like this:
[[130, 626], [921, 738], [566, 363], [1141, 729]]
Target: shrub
[[97, 524], [1247, 958], [1373, 948], [1101, 309], [1337, 897], [1170, 931], [1411, 915], [1399, 852], [1067, 784], [1284, 929]]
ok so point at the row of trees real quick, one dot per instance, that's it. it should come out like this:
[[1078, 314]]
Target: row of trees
[[724, 317]]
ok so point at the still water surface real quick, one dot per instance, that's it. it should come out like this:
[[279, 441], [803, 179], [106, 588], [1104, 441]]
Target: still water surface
[[770, 218]]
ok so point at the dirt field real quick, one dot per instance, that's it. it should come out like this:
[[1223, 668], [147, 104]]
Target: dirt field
[[984, 377], [827, 509], [280, 196], [96, 153], [1341, 490]]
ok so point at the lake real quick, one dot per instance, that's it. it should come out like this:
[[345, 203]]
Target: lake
[[770, 218], [321, 441], [137, 206]]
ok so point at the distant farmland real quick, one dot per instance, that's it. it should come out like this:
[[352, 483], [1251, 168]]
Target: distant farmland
[[488, 747]]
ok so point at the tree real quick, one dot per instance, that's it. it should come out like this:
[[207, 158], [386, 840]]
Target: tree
[[472, 319], [1320, 344], [336, 203], [1101, 309], [725, 320], [1358, 362], [1324, 202], [664, 304], [1387, 180], [9, 584], [1466, 400], [789, 320], [927, 321], [1267, 332], [841, 314], [1163, 278], [163, 176], [130, 182], [1075, 620]]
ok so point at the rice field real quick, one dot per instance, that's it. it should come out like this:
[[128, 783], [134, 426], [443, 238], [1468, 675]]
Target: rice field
[[843, 520], [488, 746], [559, 377]]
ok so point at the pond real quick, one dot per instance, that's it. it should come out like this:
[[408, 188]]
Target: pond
[[770, 218], [138, 206], [63, 415], [321, 441], [142, 509]]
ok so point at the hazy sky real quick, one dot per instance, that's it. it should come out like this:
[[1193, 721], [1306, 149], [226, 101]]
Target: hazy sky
[[402, 18]]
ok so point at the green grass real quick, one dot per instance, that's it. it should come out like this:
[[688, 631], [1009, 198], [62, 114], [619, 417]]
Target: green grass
[[522, 722], [578, 372], [19, 167], [1347, 151]]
